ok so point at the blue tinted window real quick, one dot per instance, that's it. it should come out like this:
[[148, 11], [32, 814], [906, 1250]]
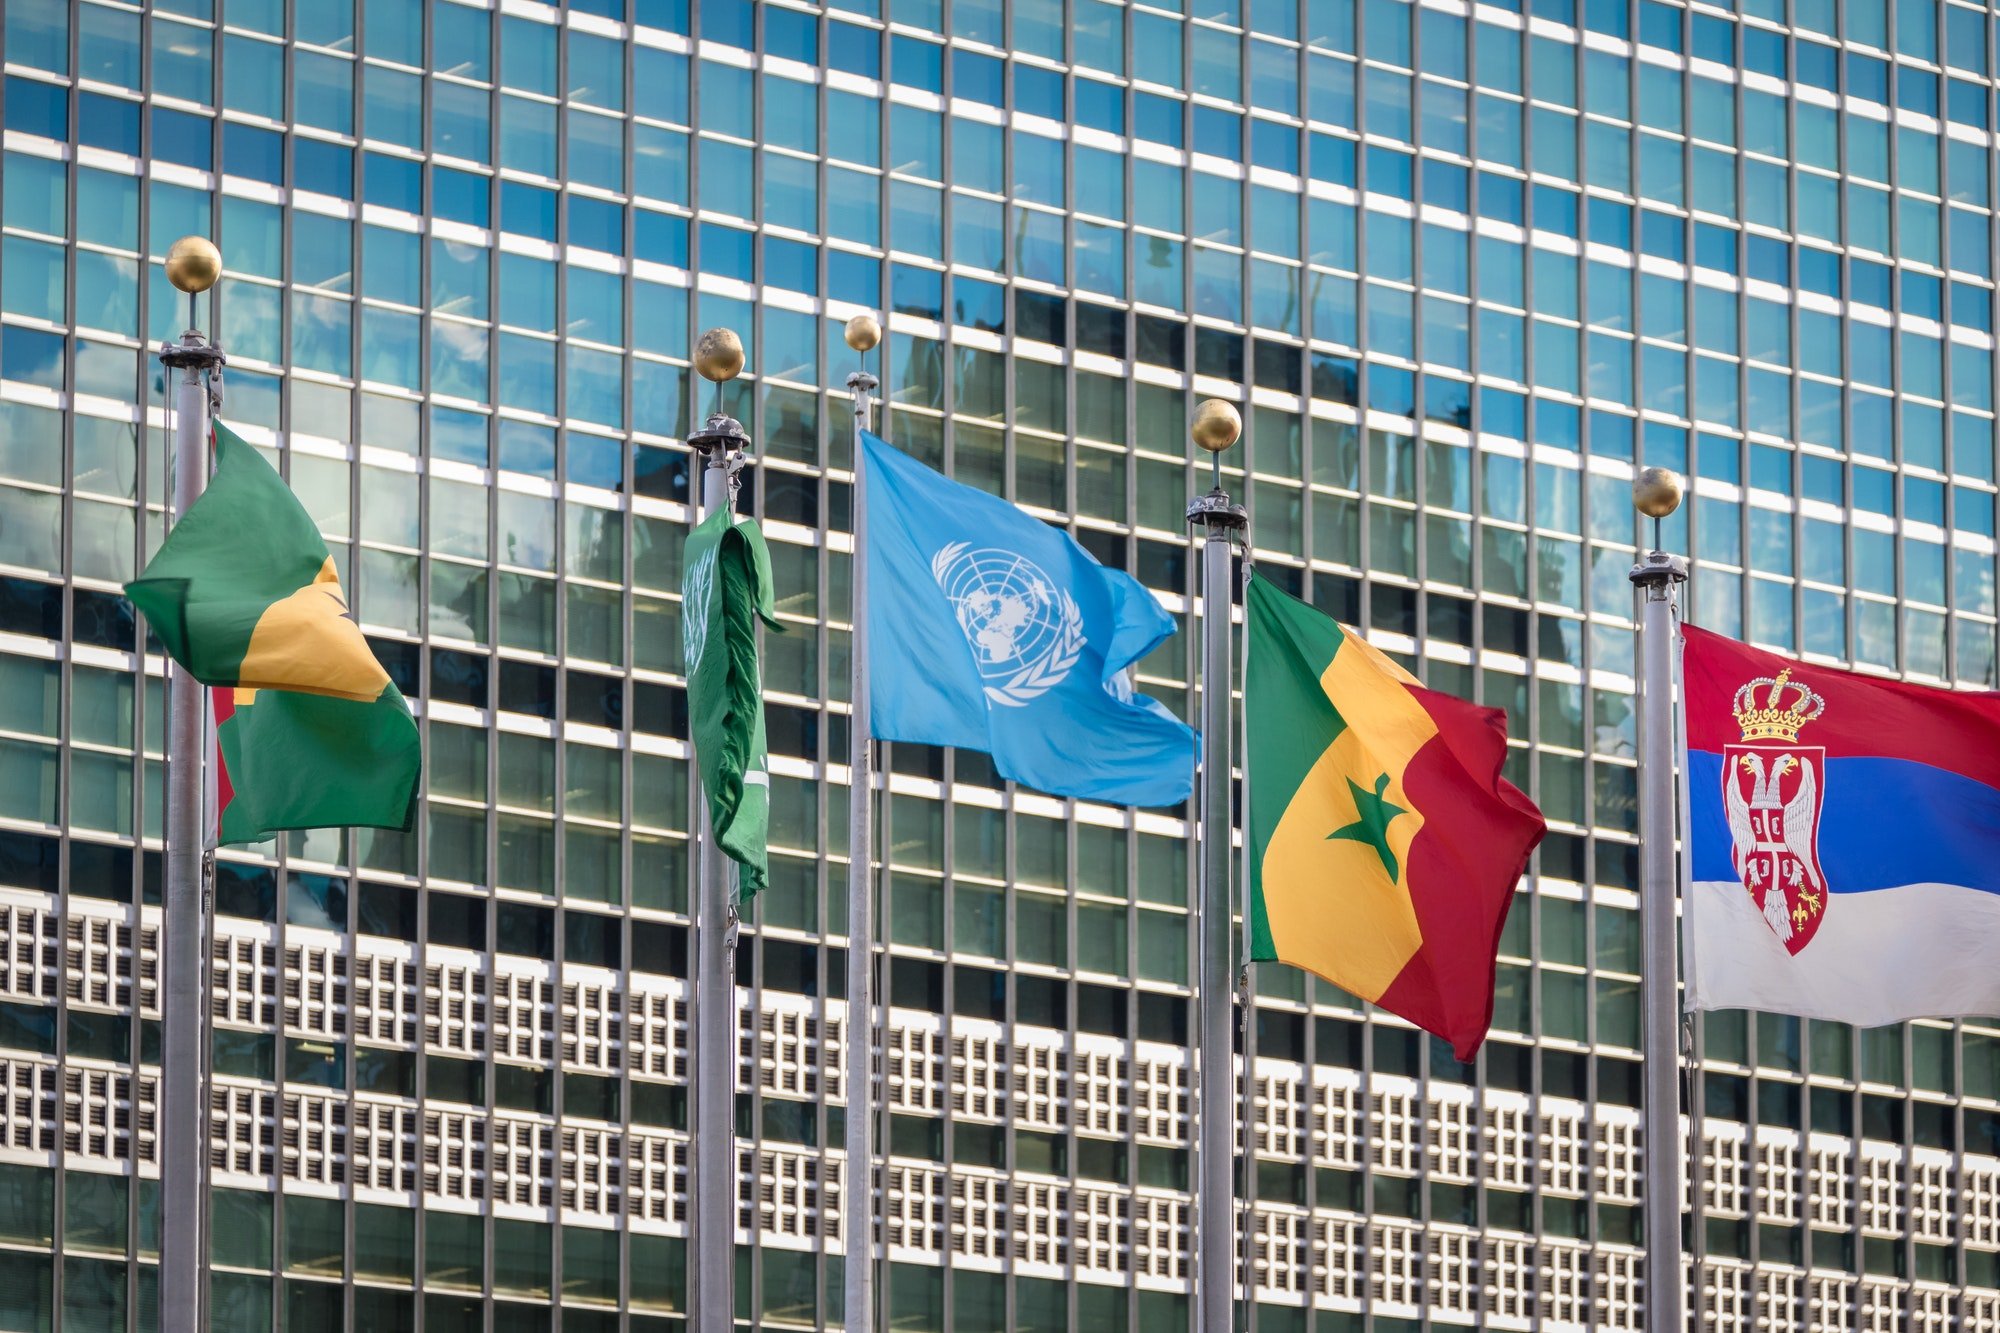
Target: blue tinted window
[[1100, 106], [728, 21], [979, 305], [1969, 103], [659, 237], [527, 211], [461, 196], [1714, 39], [1916, 90], [1157, 118], [1867, 77], [1447, 185], [724, 250], [1333, 159], [1714, 247], [598, 225], [1972, 306], [1274, 145], [1661, 235], [1555, 210], [258, 154], [1819, 65], [917, 64], [917, 291], [1218, 132], [183, 138], [326, 168], [1923, 295], [793, 265], [852, 277], [977, 78], [855, 49], [1389, 172], [1611, 223], [393, 182], [1503, 198], [1871, 282], [672, 15], [108, 122], [1038, 91], [40, 108], [792, 34]]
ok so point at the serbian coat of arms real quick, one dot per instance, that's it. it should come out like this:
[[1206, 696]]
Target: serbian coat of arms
[[1772, 790]]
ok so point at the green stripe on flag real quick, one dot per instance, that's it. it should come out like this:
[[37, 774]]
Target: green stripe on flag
[[1288, 720]]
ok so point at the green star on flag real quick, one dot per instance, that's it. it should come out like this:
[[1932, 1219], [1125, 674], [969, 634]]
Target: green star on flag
[[1373, 812]]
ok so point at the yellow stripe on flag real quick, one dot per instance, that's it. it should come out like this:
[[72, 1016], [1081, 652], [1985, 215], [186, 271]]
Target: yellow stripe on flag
[[305, 642], [1331, 901]]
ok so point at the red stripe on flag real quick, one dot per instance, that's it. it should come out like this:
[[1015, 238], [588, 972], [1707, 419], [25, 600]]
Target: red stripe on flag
[[225, 790], [1479, 830]]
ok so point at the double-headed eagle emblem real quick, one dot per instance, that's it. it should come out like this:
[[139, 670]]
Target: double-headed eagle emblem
[[1771, 791]]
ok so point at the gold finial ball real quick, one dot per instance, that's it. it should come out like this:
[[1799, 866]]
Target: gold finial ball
[[718, 355], [863, 332], [1657, 491], [193, 264], [1217, 425]]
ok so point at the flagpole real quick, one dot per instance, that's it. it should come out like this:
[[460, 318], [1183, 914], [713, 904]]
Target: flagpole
[[857, 1223], [193, 265], [1656, 493], [1216, 427], [723, 446]]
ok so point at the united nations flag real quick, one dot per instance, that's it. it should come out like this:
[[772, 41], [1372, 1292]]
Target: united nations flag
[[990, 630]]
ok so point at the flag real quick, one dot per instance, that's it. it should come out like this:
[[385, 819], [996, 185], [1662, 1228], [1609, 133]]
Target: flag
[[289, 760], [725, 591], [1843, 840], [1384, 844], [243, 592], [990, 630], [310, 732]]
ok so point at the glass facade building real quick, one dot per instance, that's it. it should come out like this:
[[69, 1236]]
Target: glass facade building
[[1464, 266]]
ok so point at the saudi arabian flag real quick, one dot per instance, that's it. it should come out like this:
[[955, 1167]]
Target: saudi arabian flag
[[725, 592], [311, 733]]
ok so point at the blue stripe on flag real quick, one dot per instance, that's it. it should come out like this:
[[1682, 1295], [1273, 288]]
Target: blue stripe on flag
[[1884, 823]]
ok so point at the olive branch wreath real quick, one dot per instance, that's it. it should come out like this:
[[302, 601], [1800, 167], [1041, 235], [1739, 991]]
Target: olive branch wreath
[[1045, 672]]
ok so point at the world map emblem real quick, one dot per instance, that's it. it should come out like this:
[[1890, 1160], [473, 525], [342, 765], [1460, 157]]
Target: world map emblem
[[1025, 633], [695, 594], [1773, 793]]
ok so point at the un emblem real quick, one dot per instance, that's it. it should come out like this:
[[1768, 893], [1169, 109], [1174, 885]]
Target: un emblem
[[695, 596], [1025, 633]]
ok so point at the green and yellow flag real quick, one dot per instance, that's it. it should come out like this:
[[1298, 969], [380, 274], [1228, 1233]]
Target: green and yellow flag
[[310, 731], [1384, 843]]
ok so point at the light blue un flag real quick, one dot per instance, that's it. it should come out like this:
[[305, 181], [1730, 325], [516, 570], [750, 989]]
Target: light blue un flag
[[990, 630]]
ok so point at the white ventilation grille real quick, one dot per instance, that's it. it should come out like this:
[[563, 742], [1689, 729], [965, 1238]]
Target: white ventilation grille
[[102, 1121], [979, 1217], [27, 1108], [1041, 1080], [1564, 1140], [522, 1161], [1620, 1167], [1510, 1282], [1931, 1308], [1281, 1127], [1779, 1292], [1160, 1238], [454, 1155], [1882, 1307], [783, 1200], [788, 1047], [1509, 1149], [915, 1061], [1159, 1093], [1281, 1243], [31, 953], [590, 1166], [1881, 1187], [1724, 1184], [98, 961], [1565, 1273], [524, 1011], [243, 1132], [1337, 1136], [1451, 1134], [315, 990], [314, 1139], [1340, 1261], [1452, 1274], [655, 1180], [1829, 1303], [656, 1027], [385, 993], [1779, 1198], [1040, 1215], [1396, 1268], [383, 1142], [1979, 1202], [1931, 1210], [243, 978], [1101, 1231], [1981, 1312], [593, 1021], [1621, 1291], [913, 1222], [1829, 1182], [1395, 1125], [1098, 1091], [1725, 1294], [455, 1002]]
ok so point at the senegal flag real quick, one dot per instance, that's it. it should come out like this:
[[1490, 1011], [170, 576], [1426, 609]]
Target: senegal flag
[[727, 589], [310, 731], [1384, 844]]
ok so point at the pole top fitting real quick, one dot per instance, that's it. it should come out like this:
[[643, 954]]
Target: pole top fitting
[[722, 432], [863, 332], [1217, 425], [718, 355], [1657, 491], [1658, 571], [1215, 512], [193, 264]]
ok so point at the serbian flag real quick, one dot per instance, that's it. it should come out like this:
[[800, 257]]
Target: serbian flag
[[310, 731], [1385, 846], [1843, 840]]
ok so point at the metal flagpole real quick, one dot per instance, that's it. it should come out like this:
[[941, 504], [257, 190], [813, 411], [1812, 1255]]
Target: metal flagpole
[[193, 265], [723, 447], [1656, 493], [1216, 427], [857, 1223]]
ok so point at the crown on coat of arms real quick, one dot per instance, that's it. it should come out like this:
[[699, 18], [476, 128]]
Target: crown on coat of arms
[[1772, 721]]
